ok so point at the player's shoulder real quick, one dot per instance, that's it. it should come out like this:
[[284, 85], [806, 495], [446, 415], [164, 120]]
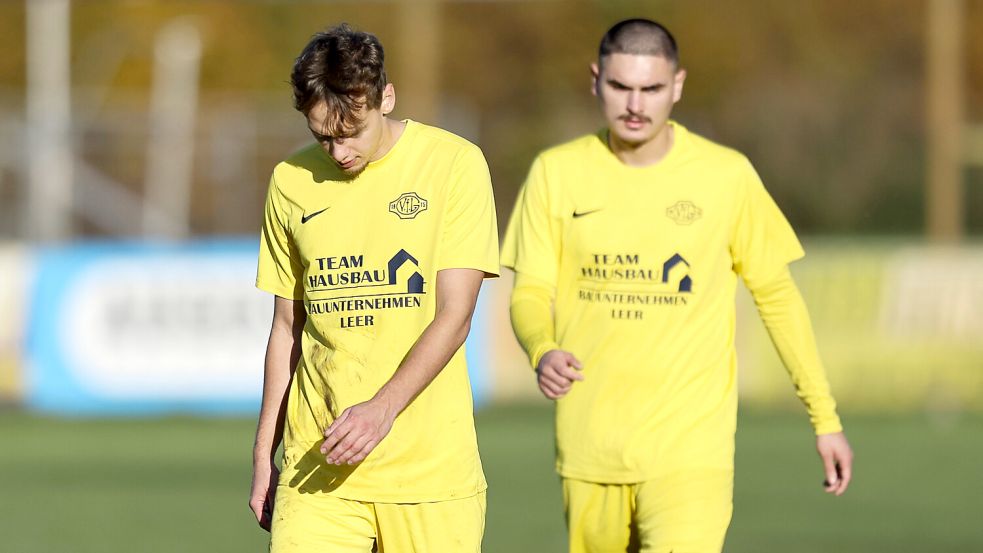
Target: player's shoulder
[[579, 149], [442, 139], [710, 152]]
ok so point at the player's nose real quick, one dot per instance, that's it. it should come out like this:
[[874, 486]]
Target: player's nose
[[339, 151]]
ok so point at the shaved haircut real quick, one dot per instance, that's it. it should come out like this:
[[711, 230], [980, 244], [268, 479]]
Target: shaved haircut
[[640, 37]]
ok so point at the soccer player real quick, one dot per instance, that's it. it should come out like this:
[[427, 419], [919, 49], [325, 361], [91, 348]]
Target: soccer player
[[375, 242], [627, 245]]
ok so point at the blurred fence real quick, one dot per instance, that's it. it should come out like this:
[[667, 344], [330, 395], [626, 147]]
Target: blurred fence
[[831, 109], [127, 327]]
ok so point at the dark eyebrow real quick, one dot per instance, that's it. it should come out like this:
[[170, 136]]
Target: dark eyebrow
[[618, 84], [320, 137]]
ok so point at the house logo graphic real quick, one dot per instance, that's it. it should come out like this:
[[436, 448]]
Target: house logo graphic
[[414, 280]]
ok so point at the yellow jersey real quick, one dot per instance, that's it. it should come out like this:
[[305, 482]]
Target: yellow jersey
[[363, 254], [645, 262]]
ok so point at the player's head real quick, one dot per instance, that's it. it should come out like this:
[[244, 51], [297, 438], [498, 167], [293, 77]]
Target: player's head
[[637, 79], [339, 84]]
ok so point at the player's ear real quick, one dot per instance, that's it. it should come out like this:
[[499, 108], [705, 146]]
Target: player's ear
[[677, 85], [388, 99], [595, 75]]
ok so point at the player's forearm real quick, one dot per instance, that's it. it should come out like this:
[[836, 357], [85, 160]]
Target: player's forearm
[[429, 355], [282, 354], [531, 311], [785, 316], [269, 430]]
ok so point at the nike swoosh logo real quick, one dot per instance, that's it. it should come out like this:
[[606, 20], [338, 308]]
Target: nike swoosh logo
[[577, 214], [306, 218]]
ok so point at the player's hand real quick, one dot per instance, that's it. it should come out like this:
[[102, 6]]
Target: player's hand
[[556, 373], [263, 492], [356, 432], [834, 450]]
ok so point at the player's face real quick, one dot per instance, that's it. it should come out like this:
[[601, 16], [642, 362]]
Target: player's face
[[353, 149], [637, 94]]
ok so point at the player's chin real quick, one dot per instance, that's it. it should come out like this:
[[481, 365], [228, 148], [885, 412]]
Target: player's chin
[[634, 137], [354, 170]]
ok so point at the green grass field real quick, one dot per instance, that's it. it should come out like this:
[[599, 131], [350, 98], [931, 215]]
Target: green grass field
[[180, 484]]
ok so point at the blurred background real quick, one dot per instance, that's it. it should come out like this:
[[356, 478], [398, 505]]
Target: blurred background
[[136, 142]]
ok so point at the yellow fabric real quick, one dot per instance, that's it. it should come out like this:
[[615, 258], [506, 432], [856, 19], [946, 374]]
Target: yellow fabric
[[785, 316], [645, 264], [682, 512], [363, 255], [531, 311], [303, 523]]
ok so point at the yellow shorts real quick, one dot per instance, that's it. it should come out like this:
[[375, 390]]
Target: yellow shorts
[[305, 522], [683, 512]]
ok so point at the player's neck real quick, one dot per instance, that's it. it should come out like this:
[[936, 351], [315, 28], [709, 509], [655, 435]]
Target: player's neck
[[391, 131], [645, 153]]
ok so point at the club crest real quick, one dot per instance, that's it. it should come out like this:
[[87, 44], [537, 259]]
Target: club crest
[[684, 212], [408, 205]]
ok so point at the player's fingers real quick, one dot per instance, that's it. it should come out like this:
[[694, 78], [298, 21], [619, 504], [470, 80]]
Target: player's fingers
[[334, 439], [570, 373], [548, 390], [554, 378], [550, 385], [337, 422], [846, 474], [345, 456], [832, 477], [266, 520], [557, 383], [344, 446], [258, 505], [363, 452], [574, 362]]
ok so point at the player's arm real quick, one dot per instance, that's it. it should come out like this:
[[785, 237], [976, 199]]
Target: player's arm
[[785, 316], [531, 311], [282, 354], [360, 428]]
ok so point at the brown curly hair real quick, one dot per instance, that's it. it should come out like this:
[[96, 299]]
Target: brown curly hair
[[344, 68]]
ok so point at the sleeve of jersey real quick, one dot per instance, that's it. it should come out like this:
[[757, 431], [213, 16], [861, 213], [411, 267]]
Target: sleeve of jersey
[[470, 234], [763, 243], [785, 316], [531, 310], [279, 270], [532, 239]]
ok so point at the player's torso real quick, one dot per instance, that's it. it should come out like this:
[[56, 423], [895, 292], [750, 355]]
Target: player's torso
[[644, 251], [645, 299], [368, 249]]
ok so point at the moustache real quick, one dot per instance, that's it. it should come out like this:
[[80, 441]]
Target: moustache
[[629, 116]]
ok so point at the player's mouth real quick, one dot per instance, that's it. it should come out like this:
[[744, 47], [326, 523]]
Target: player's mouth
[[634, 123], [348, 164]]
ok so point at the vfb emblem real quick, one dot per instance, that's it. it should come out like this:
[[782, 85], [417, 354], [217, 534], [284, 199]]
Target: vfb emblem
[[408, 205], [684, 212]]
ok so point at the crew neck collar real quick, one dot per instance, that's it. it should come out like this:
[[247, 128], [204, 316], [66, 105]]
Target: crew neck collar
[[680, 137]]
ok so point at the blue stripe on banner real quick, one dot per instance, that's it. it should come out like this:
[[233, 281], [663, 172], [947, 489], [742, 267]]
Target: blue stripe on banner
[[477, 350]]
